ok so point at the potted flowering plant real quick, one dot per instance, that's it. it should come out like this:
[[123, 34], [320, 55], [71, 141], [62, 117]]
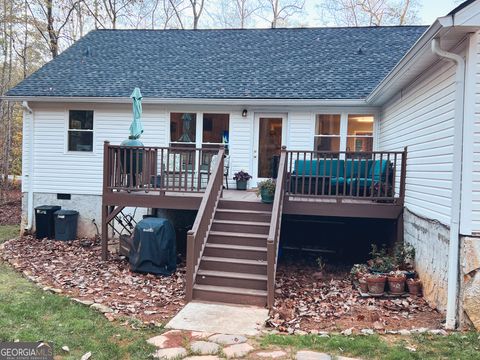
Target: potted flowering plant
[[266, 189], [376, 284], [242, 178], [396, 282], [414, 287]]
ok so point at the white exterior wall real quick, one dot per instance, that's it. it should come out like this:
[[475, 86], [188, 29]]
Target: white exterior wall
[[422, 118], [475, 114], [58, 171]]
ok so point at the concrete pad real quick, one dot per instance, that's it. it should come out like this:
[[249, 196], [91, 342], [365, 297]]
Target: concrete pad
[[220, 318]]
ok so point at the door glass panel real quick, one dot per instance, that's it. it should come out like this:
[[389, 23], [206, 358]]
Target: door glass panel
[[269, 145]]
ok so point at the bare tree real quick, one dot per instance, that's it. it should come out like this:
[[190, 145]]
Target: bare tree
[[369, 12], [233, 13], [280, 10], [196, 8], [45, 14]]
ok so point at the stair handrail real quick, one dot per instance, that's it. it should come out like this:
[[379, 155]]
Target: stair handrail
[[197, 236], [273, 239]]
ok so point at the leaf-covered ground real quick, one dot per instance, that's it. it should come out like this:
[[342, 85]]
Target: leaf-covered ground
[[306, 301], [76, 269], [10, 211]]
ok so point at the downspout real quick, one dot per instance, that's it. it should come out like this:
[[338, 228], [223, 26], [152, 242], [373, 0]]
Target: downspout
[[453, 251], [30, 209]]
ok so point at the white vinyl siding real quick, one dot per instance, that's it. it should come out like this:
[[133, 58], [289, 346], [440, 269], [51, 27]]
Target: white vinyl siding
[[240, 143], [422, 118], [301, 127], [59, 171], [476, 143]]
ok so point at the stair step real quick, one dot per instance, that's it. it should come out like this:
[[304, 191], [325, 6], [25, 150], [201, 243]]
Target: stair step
[[244, 205], [219, 263], [254, 227], [235, 238], [236, 251], [232, 275], [232, 279], [230, 294], [243, 215]]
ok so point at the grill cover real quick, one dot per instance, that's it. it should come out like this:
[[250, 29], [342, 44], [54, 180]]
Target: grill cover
[[153, 247]]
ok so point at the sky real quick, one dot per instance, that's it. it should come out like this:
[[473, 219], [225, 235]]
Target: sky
[[433, 9], [428, 12]]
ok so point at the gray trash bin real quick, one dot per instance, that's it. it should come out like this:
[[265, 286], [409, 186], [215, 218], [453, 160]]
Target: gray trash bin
[[66, 224]]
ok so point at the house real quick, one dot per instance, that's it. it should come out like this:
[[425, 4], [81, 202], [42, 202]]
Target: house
[[375, 123]]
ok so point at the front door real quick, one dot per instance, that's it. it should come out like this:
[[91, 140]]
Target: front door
[[268, 140]]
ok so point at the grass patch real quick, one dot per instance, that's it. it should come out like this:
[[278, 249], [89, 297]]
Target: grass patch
[[30, 314], [8, 232], [461, 346]]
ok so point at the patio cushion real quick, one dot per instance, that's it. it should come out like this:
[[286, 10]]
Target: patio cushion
[[355, 168], [378, 170], [319, 167]]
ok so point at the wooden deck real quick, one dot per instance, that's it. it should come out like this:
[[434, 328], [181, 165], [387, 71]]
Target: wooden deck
[[233, 245]]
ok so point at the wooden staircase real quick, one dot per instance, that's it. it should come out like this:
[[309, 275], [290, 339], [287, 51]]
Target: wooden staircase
[[232, 248], [233, 266]]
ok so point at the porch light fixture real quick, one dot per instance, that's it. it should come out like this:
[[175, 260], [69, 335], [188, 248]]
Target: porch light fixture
[[244, 113]]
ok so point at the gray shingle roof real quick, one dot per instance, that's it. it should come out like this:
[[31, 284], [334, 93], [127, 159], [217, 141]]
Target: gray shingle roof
[[307, 63]]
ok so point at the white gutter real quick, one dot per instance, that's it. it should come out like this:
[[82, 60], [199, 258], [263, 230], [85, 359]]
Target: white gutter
[[193, 101], [31, 126], [453, 251]]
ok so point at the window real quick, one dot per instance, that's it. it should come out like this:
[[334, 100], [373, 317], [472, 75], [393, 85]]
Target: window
[[80, 130], [327, 133], [360, 133], [215, 129], [182, 129]]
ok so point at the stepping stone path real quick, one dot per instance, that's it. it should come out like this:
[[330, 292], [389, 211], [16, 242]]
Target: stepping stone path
[[193, 345]]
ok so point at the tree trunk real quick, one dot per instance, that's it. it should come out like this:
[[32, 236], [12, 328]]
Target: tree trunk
[[53, 38]]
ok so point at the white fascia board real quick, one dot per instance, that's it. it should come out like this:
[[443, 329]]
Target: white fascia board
[[194, 101], [468, 16]]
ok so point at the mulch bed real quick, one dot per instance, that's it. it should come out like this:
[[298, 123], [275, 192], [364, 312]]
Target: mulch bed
[[75, 268], [305, 300], [10, 211]]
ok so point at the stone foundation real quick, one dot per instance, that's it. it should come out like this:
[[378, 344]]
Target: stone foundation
[[430, 240], [470, 281]]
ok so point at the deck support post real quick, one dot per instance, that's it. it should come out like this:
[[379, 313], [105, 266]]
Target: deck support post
[[400, 229], [105, 210], [104, 233]]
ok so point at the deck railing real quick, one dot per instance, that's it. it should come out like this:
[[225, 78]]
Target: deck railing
[[273, 239], [377, 175], [153, 168], [197, 236]]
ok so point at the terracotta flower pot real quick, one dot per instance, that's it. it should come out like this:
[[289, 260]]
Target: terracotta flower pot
[[376, 285], [362, 284], [414, 287], [396, 284]]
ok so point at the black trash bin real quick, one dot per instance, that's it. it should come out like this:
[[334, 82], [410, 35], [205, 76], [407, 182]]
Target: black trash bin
[[66, 224], [153, 247], [45, 221]]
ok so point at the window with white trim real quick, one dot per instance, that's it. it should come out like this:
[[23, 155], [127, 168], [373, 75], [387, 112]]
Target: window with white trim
[[80, 130], [183, 127], [327, 133], [344, 132], [360, 133], [215, 130]]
